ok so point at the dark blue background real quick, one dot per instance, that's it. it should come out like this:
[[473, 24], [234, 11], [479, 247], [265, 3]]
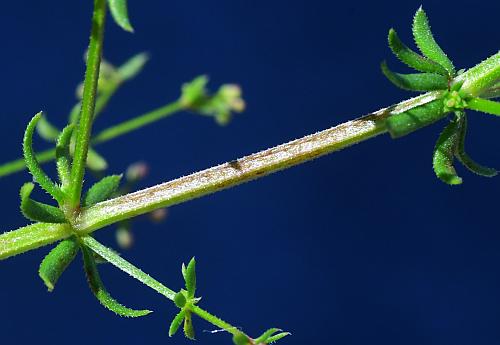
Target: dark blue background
[[364, 246]]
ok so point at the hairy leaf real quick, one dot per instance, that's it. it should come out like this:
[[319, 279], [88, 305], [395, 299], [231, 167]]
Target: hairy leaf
[[99, 290], [37, 211], [427, 44], [402, 124], [263, 338], [56, 262], [444, 152], [188, 326], [464, 158], [189, 274], [32, 163], [63, 158], [416, 82], [176, 323], [102, 190], [119, 11], [411, 58], [277, 337]]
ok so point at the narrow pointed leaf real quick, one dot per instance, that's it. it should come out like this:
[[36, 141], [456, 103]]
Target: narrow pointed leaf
[[402, 124], [188, 326], [176, 323], [63, 159], [415, 82], [56, 262], [190, 278], [119, 12], [444, 153], [277, 337], [32, 163], [95, 161], [36, 211], [411, 58], [133, 66], [484, 105], [464, 158], [46, 130], [99, 290], [427, 44], [102, 190], [266, 335]]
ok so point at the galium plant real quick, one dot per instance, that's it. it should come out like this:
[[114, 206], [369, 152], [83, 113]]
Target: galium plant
[[77, 212]]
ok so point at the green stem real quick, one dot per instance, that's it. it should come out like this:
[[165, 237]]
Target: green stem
[[214, 320], [481, 77], [242, 170], [31, 237], [232, 173], [88, 101], [101, 137], [115, 259], [136, 123], [135, 272]]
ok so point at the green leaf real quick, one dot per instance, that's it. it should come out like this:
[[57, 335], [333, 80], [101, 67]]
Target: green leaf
[[133, 66], [119, 12], [36, 211], [46, 130], [263, 338], [402, 124], [176, 323], [189, 274], [464, 158], [188, 326], [56, 262], [99, 290], [411, 58], [95, 161], [63, 158], [484, 105], [427, 44], [102, 190], [277, 337], [32, 163], [444, 153], [415, 82]]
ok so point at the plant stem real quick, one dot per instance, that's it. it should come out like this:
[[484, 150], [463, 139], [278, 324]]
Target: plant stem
[[115, 259], [88, 101], [223, 176], [136, 123], [101, 137], [481, 77], [242, 170], [31, 237]]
